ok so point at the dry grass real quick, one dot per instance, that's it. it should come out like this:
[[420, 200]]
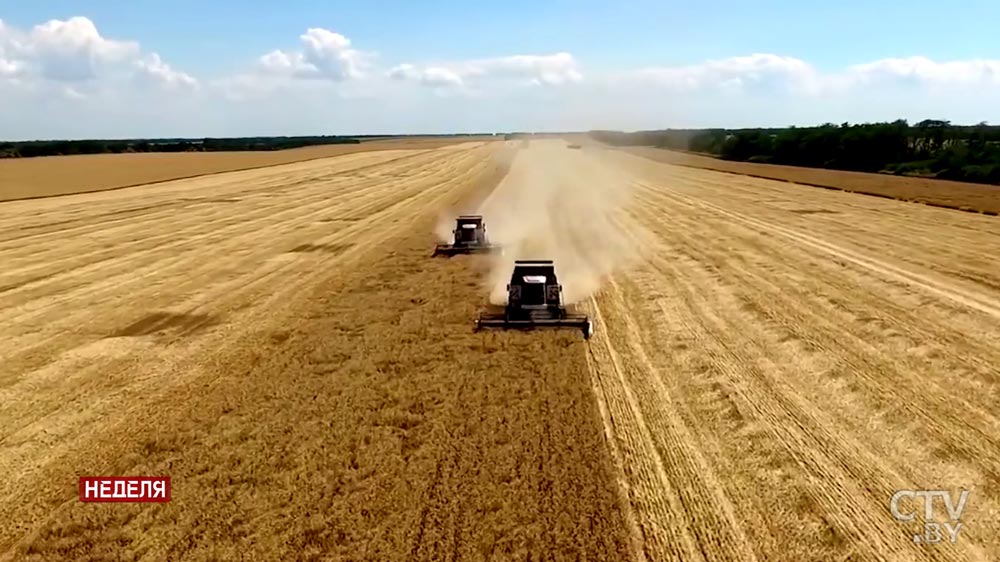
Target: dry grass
[[971, 197], [26, 178]]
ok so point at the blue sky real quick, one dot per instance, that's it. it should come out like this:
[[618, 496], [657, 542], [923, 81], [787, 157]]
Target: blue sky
[[464, 65], [603, 33]]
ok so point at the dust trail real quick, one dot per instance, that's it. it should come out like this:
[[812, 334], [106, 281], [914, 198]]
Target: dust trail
[[564, 205], [444, 226]]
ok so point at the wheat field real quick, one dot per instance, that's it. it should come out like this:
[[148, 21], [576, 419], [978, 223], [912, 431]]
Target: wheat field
[[770, 363]]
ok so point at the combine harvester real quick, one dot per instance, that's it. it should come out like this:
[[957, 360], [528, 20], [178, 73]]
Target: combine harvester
[[470, 238], [534, 300]]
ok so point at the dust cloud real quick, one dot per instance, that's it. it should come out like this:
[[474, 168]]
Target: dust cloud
[[444, 227], [565, 205]]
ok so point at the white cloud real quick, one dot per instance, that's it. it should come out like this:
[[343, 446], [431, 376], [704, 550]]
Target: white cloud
[[154, 70], [781, 74], [279, 62], [438, 76], [735, 74], [922, 70], [73, 51], [404, 72], [559, 68], [324, 55], [435, 76], [9, 68], [72, 93], [555, 69]]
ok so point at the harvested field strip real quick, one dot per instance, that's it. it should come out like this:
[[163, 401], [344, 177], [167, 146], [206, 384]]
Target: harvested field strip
[[75, 215], [810, 290], [173, 240], [203, 285], [814, 367], [50, 176], [52, 336], [900, 235], [971, 197], [208, 284]]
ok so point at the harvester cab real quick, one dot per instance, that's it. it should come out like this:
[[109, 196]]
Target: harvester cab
[[534, 300], [469, 238]]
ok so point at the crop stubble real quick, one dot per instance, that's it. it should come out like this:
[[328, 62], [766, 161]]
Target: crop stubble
[[783, 359], [964, 196], [776, 364], [49, 176]]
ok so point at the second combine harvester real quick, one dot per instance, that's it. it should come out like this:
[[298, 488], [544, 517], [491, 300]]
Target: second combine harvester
[[469, 238], [534, 295]]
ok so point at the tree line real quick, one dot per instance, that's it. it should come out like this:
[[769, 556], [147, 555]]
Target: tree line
[[930, 148], [27, 149]]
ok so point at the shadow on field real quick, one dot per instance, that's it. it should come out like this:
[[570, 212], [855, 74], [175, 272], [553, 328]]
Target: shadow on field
[[178, 323]]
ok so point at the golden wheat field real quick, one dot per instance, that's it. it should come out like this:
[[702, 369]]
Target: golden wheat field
[[29, 178], [771, 363]]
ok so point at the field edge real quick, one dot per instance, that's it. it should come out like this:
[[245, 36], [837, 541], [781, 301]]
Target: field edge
[[704, 163]]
